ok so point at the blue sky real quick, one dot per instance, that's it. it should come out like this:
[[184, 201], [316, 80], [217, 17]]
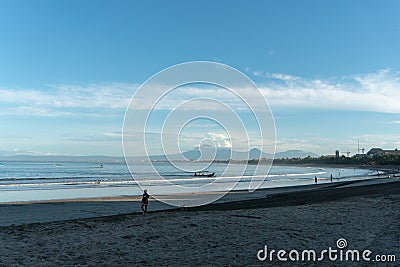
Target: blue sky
[[329, 69]]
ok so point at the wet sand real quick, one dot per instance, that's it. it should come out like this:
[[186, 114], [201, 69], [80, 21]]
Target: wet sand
[[223, 234]]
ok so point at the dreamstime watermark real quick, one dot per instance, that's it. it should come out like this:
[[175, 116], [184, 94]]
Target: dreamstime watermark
[[165, 106], [338, 253]]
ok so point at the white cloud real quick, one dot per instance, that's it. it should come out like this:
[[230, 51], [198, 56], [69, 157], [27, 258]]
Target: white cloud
[[220, 139], [33, 110], [197, 98], [114, 134], [316, 145], [385, 141], [277, 76], [327, 146], [64, 100], [378, 92]]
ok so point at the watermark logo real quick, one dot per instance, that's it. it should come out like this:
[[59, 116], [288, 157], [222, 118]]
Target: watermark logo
[[341, 243], [211, 105], [340, 253]]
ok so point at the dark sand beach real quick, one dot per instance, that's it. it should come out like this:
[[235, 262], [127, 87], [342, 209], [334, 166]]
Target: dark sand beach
[[229, 233]]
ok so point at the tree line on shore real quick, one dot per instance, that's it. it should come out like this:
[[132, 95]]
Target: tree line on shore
[[362, 160], [379, 159]]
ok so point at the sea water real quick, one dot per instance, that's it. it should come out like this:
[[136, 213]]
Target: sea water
[[32, 181]]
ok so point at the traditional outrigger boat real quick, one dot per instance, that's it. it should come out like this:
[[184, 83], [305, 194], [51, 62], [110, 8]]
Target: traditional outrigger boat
[[204, 174]]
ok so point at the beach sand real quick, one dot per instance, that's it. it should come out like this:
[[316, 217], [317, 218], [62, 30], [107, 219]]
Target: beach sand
[[225, 234]]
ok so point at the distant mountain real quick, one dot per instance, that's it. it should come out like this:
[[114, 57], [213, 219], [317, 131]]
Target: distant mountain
[[255, 153], [203, 153], [208, 153], [295, 154]]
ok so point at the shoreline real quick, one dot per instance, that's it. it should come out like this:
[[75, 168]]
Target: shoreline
[[365, 215], [125, 194], [387, 173], [345, 166], [61, 210], [304, 197]]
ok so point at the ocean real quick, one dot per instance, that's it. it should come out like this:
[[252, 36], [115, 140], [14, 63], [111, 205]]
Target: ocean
[[35, 181]]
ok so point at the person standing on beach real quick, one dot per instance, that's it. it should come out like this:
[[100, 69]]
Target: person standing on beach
[[331, 177], [316, 180], [145, 201]]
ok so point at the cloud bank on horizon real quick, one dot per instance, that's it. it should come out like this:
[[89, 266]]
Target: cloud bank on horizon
[[376, 92], [373, 92]]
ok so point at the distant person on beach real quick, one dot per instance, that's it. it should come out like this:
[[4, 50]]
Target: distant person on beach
[[316, 180], [145, 201], [331, 177]]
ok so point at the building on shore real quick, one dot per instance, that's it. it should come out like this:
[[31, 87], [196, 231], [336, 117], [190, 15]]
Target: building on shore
[[379, 151]]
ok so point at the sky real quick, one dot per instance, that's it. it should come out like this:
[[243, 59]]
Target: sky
[[330, 70]]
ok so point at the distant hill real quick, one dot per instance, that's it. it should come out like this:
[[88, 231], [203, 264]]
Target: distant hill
[[202, 153], [208, 153], [290, 154]]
